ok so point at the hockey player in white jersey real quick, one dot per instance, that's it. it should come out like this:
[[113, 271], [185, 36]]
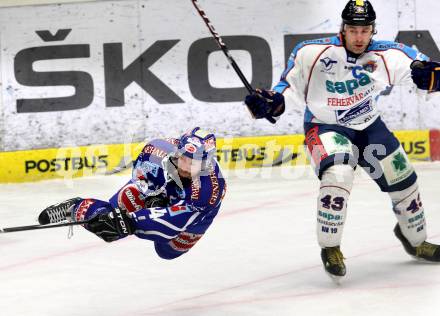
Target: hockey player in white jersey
[[339, 79]]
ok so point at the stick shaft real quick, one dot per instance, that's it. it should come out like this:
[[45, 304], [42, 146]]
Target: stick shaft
[[225, 50], [34, 227], [223, 47]]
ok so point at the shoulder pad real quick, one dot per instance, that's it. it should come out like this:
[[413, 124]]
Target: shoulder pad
[[334, 40], [387, 45], [159, 148]]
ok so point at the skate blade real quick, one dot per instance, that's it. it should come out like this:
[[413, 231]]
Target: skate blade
[[337, 279], [424, 260]]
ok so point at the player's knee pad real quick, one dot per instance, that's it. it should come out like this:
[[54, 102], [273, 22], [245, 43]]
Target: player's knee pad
[[394, 172], [130, 198], [336, 184], [409, 211]]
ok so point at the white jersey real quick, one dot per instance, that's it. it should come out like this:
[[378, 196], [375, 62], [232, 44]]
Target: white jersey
[[340, 89]]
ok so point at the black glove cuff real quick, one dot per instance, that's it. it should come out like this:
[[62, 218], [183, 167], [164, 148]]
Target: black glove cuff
[[123, 223]]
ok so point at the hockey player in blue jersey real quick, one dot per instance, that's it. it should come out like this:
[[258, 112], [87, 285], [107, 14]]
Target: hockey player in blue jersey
[[339, 79], [173, 196]]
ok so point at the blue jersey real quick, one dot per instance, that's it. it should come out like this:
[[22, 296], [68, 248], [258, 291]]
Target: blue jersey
[[155, 174], [193, 203]]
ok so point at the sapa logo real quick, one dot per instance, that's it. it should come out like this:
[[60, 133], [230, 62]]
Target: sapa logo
[[360, 79]]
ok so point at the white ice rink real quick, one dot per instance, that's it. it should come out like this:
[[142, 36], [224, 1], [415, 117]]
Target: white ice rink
[[260, 256]]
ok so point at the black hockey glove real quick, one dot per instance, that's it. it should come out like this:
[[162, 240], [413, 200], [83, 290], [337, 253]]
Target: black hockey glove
[[111, 226], [265, 104], [156, 201], [426, 75]]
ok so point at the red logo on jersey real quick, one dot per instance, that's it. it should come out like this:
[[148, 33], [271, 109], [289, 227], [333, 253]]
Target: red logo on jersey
[[190, 148], [371, 66], [184, 241], [130, 199], [82, 209], [177, 208]]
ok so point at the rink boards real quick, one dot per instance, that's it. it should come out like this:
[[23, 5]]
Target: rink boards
[[121, 71], [232, 153]]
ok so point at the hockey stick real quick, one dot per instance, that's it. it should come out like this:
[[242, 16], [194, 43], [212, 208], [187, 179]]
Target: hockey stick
[[33, 227], [225, 50]]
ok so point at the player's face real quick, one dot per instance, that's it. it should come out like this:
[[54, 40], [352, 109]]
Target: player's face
[[187, 167], [357, 38]]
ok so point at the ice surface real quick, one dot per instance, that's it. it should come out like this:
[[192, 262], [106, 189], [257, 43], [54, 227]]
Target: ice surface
[[260, 256]]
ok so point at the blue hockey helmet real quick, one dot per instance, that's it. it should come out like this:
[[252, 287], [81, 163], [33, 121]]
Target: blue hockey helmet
[[358, 12], [197, 144]]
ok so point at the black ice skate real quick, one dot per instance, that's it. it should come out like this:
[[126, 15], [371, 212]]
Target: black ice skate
[[333, 261], [426, 251], [58, 212]]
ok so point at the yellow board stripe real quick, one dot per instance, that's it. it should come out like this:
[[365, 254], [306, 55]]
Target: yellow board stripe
[[360, 3], [232, 153]]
